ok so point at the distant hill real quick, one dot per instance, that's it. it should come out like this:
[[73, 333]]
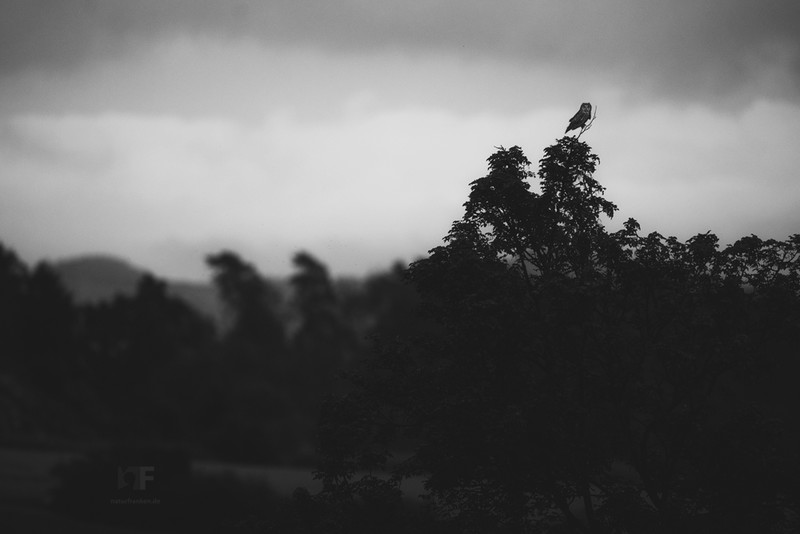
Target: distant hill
[[96, 278], [99, 278]]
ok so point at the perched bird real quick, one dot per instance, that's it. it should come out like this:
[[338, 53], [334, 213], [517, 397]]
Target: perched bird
[[579, 119]]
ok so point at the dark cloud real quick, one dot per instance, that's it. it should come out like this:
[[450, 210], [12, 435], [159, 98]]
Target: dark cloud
[[694, 50]]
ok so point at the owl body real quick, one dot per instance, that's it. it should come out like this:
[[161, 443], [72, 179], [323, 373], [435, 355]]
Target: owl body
[[580, 118]]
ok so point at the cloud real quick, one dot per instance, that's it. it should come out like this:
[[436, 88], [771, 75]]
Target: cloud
[[694, 51], [245, 81], [378, 185], [366, 186], [681, 172]]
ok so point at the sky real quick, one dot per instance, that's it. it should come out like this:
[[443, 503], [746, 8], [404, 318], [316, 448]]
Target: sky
[[161, 131]]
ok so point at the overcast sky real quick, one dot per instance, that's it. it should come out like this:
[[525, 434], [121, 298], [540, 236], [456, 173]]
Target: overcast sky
[[164, 130]]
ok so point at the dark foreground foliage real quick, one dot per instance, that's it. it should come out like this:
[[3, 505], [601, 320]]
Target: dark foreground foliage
[[576, 380]]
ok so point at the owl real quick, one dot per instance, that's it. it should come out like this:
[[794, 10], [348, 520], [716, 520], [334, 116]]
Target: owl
[[579, 119]]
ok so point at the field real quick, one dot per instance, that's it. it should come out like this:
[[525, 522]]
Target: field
[[26, 484]]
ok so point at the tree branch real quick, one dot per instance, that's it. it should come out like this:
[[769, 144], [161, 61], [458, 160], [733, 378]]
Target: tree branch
[[587, 125]]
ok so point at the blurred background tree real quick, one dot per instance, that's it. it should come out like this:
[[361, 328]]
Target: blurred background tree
[[251, 303]]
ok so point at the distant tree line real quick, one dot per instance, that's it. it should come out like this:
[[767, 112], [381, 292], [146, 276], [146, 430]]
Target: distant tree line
[[148, 367]]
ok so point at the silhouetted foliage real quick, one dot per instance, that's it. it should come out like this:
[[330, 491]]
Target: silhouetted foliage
[[579, 379], [323, 341], [37, 321], [251, 305], [43, 386], [145, 365], [392, 303], [322, 329], [139, 349]]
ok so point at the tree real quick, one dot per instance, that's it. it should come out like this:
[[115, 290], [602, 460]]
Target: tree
[[323, 340], [53, 345], [14, 277], [38, 323], [43, 359], [251, 303], [391, 303], [577, 377], [140, 349]]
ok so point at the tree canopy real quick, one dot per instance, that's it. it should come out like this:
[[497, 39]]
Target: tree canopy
[[581, 380]]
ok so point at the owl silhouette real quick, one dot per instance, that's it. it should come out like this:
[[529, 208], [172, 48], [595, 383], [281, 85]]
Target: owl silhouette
[[580, 118]]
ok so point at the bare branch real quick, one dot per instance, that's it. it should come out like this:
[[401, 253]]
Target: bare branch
[[588, 124]]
